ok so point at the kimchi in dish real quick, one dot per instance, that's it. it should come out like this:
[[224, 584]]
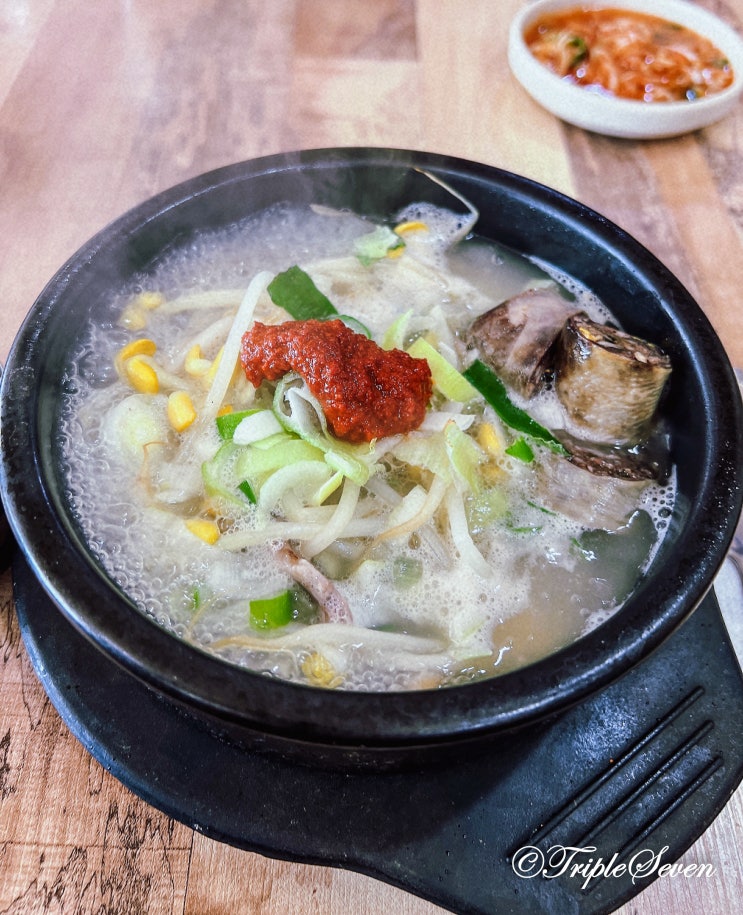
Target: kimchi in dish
[[367, 455], [628, 54]]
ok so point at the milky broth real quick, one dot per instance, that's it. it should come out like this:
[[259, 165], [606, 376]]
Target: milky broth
[[421, 617]]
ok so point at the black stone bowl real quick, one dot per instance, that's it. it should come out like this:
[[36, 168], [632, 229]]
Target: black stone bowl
[[703, 409]]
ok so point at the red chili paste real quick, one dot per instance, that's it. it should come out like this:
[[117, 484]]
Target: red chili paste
[[366, 392]]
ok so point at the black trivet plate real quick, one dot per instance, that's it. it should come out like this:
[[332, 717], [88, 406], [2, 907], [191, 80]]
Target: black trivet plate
[[638, 772]]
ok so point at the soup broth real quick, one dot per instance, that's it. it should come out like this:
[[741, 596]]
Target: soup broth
[[231, 514]]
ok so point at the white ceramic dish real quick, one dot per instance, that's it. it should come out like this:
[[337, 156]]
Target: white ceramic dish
[[623, 117]]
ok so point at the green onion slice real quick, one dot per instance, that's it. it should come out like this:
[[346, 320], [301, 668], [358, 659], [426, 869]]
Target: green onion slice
[[521, 450], [452, 384], [228, 422], [271, 612], [247, 490]]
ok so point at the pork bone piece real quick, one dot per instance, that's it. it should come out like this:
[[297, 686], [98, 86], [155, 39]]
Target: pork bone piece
[[609, 382], [516, 338]]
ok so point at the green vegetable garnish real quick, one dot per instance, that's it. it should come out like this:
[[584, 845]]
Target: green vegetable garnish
[[528, 529], [286, 450], [247, 490], [521, 451], [581, 49], [377, 244], [406, 572], [228, 422], [446, 378], [540, 508], [271, 612], [219, 476], [394, 336], [485, 509], [494, 391], [464, 455], [295, 292]]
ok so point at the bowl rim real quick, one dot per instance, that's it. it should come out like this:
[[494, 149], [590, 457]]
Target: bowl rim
[[626, 118], [225, 692]]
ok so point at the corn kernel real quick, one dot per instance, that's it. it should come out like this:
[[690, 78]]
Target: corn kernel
[[203, 529], [140, 347], [181, 411], [224, 410], [320, 672], [141, 375], [413, 225]]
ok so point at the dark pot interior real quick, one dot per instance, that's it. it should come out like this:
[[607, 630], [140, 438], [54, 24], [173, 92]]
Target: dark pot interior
[[703, 408]]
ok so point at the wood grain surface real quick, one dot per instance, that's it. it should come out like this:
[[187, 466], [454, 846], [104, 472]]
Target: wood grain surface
[[103, 104]]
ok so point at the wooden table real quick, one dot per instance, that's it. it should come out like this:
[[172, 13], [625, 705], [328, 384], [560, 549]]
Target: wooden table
[[103, 104]]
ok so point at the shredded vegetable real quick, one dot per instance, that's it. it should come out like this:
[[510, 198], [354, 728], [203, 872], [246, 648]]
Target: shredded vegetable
[[299, 412], [256, 427], [231, 348]]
